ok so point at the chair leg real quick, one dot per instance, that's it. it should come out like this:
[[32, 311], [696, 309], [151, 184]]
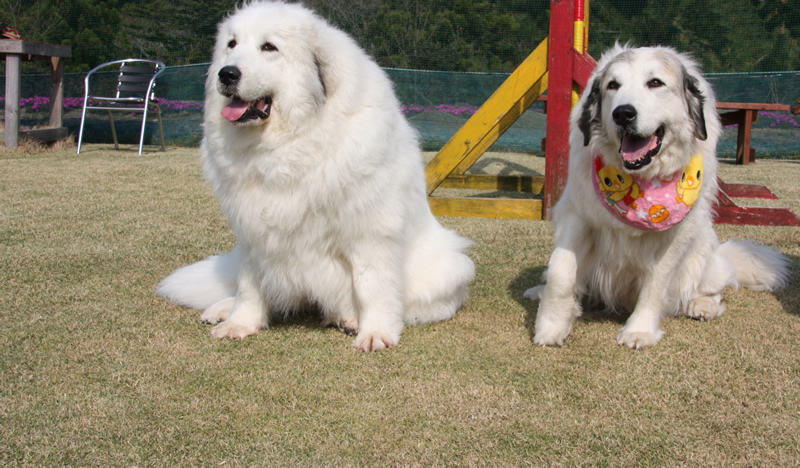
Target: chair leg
[[113, 130], [160, 128], [80, 132], [144, 122]]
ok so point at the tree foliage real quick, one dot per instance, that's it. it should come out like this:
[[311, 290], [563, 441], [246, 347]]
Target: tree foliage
[[453, 35]]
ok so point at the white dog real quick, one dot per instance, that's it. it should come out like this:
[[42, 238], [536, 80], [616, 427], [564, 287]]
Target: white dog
[[633, 229], [321, 179]]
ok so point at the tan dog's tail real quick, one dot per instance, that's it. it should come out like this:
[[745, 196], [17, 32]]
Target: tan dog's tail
[[758, 267], [204, 283]]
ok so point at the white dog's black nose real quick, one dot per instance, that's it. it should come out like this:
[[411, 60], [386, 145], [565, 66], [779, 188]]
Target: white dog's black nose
[[624, 115], [229, 75]]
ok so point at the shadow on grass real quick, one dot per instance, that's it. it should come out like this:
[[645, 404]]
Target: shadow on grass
[[531, 277], [789, 296]]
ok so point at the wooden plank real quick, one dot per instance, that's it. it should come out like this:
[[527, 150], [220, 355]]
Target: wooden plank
[[754, 106], [731, 118], [755, 216], [559, 99], [582, 68], [45, 134], [35, 48], [56, 91], [743, 137], [497, 208], [490, 116], [746, 190], [527, 184], [12, 100]]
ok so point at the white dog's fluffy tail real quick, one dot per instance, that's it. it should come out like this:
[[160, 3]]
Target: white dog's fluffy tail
[[202, 284], [437, 275], [758, 267]]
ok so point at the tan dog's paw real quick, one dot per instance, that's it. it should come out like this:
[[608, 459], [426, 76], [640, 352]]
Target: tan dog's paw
[[705, 308], [218, 312], [534, 293], [638, 339], [233, 330], [346, 326]]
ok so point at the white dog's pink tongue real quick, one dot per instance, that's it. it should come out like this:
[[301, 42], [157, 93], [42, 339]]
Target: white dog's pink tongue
[[235, 110], [635, 147]]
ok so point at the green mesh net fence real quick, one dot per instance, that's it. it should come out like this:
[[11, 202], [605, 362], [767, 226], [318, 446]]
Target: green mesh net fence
[[445, 57]]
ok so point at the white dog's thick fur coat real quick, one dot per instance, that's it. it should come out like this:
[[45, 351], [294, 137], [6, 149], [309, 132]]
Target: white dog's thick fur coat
[[600, 262], [321, 179]]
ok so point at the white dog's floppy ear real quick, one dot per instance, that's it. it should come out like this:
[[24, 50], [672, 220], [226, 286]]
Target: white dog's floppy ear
[[590, 113], [695, 100], [321, 75], [328, 56]]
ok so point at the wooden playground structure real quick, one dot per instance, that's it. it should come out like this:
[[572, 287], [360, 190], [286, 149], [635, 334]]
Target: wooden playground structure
[[561, 66]]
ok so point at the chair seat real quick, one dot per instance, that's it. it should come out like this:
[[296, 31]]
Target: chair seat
[[133, 100]]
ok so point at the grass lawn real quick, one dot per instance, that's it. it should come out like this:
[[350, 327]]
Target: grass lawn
[[95, 369]]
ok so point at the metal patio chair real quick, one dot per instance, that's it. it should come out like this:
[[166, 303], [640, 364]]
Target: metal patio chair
[[133, 92]]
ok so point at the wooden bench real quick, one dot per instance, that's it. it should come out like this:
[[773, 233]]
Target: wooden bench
[[744, 115], [54, 54]]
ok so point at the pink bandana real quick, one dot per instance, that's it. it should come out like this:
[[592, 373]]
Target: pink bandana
[[649, 205]]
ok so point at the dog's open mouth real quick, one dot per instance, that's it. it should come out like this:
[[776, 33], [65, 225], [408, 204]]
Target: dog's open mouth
[[239, 111], [638, 151]]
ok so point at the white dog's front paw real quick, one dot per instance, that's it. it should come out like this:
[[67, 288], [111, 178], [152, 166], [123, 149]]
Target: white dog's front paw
[[375, 341], [534, 293], [638, 339], [552, 332], [705, 308], [219, 312], [233, 330]]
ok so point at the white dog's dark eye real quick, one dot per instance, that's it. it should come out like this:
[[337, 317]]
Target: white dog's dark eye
[[612, 85], [232, 43], [269, 47], [655, 83]]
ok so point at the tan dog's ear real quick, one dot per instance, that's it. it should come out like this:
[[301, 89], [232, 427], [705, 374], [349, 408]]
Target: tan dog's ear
[[695, 101], [590, 113]]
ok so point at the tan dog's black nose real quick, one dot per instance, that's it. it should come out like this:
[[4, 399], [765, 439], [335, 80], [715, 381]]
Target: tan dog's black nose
[[624, 115]]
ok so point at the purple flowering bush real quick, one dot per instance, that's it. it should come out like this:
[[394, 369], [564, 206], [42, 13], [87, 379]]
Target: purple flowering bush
[[35, 103], [777, 120]]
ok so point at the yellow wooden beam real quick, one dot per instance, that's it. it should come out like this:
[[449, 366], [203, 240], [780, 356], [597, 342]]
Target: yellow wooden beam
[[503, 124], [499, 208], [510, 100]]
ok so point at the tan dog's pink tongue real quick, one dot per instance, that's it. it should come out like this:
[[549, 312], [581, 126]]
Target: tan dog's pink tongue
[[634, 147], [235, 110]]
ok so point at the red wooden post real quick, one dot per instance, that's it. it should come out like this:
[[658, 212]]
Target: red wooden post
[[559, 100]]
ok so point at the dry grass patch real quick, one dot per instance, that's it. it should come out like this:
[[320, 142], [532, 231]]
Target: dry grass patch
[[97, 370]]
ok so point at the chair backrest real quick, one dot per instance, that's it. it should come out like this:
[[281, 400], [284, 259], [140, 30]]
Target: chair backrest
[[134, 80], [136, 77]]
